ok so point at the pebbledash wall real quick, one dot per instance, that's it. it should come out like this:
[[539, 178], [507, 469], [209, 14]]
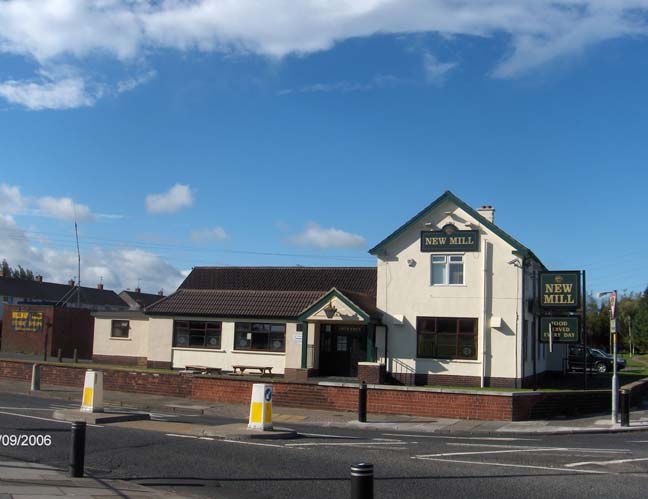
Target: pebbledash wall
[[425, 402]]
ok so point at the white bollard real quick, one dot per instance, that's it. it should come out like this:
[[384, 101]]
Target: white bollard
[[92, 400], [261, 407]]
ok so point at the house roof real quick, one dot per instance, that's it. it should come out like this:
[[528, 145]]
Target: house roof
[[54, 292], [266, 292], [235, 303], [449, 196], [142, 299], [358, 279], [313, 307]]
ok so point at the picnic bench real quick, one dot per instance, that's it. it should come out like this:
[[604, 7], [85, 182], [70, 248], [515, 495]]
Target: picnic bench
[[203, 370], [262, 369]]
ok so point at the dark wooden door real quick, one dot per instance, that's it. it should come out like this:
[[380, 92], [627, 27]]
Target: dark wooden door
[[341, 348]]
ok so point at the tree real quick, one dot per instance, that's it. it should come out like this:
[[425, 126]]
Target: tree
[[16, 273]]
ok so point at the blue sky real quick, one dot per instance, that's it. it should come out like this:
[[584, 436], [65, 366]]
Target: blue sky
[[281, 135]]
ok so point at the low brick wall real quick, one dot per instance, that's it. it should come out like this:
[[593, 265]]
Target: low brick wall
[[381, 399]]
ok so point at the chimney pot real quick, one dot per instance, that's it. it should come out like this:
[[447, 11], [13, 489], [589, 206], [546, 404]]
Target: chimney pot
[[138, 290], [161, 292], [488, 212], [100, 285], [39, 278], [71, 282]]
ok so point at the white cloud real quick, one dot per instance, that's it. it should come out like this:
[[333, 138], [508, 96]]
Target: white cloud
[[436, 71], [178, 197], [319, 237], [132, 83], [379, 81], [207, 235], [67, 93], [120, 268], [11, 200], [51, 31], [64, 209]]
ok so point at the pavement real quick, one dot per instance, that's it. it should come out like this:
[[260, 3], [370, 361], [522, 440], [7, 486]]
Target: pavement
[[23, 480], [200, 419]]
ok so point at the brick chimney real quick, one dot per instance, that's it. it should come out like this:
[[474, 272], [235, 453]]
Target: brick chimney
[[100, 285], [138, 290], [71, 282], [38, 278], [161, 292], [488, 212]]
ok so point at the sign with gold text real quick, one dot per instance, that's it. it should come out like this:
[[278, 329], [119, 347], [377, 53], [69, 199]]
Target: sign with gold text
[[27, 322], [565, 329], [560, 290], [449, 239]]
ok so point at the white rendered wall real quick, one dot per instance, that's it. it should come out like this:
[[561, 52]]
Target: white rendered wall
[[136, 345]]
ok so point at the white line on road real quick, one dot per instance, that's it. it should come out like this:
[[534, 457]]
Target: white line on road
[[603, 463], [323, 435], [569, 470], [26, 409], [348, 444], [544, 448], [252, 443], [179, 436], [479, 453], [45, 419], [500, 439]]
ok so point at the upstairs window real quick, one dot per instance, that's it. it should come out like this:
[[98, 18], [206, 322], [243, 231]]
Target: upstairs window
[[260, 337], [119, 329], [197, 334], [447, 270]]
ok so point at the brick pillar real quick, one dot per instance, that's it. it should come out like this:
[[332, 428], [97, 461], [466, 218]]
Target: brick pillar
[[372, 373]]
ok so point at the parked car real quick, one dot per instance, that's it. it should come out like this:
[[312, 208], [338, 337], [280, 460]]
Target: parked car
[[597, 360]]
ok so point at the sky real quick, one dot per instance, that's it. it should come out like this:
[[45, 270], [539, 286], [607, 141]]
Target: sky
[[182, 133]]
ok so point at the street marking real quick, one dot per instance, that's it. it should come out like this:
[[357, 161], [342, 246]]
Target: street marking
[[179, 436], [45, 419], [573, 449], [570, 470], [252, 443], [323, 435], [347, 444], [500, 439], [205, 438], [27, 409], [603, 463], [479, 453]]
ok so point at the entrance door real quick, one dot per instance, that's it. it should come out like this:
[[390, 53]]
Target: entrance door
[[341, 348]]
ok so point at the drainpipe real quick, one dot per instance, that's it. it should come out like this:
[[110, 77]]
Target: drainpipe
[[386, 346], [484, 311], [304, 358], [521, 320]]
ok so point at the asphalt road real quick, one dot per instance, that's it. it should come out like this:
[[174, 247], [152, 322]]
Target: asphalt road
[[317, 464]]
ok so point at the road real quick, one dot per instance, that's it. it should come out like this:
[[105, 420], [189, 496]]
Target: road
[[316, 465]]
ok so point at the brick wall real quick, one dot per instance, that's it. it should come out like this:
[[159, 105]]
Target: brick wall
[[121, 360], [309, 395]]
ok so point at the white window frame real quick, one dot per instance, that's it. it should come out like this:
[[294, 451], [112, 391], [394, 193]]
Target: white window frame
[[446, 269]]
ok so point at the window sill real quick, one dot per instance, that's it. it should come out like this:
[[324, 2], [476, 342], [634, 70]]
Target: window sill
[[120, 339], [198, 349], [447, 361], [448, 285], [258, 352]]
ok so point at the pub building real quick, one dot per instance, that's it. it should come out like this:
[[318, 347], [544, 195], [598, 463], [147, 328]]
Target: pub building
[[450, 302]]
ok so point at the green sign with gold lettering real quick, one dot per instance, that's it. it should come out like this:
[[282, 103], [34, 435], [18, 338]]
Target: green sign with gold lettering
[[560, 290], [565, 329], [449, 239]]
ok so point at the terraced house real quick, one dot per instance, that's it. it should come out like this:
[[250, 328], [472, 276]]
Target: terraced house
[[450, 301]]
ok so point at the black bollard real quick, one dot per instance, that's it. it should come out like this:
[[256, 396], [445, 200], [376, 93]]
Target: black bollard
[[77, 449], [624, 410], [362, 476], [75, 355], [59, 355], [362, 403]]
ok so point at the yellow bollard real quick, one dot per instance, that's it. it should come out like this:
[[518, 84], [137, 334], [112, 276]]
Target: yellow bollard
[[92, 400], [261, 407]]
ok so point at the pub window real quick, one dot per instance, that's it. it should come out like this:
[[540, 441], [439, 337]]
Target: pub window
[[119, 329], [446, 338], [197, 334], [260, 337], [447, 269]]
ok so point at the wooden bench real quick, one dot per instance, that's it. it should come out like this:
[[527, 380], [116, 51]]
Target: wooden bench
[[203, 369], [264, 370]]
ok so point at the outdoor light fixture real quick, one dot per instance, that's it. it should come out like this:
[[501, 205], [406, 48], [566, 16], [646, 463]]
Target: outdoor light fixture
[[330, 309], [411, 262], [613, 332]]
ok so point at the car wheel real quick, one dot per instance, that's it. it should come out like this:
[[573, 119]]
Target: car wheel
[[601, 367]]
